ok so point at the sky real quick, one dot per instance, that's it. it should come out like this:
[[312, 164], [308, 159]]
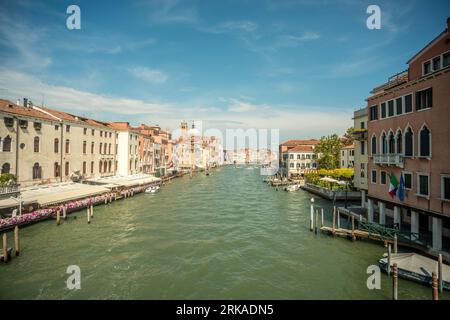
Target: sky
[[300, 66]]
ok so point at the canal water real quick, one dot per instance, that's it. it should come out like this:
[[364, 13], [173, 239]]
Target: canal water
[[223, 236]]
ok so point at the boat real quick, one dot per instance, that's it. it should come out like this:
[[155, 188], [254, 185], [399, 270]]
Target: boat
[[417, 268], [152, 189], [291, 188]]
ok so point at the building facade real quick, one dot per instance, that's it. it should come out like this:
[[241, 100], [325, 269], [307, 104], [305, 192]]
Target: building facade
[[360, 157], [284, 154], [300, 160], [347, 157], [409, 136]]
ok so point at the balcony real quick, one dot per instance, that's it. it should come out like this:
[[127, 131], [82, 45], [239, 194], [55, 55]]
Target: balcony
[[360, 135], [389, 159]]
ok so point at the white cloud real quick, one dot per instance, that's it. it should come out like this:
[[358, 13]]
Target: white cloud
[[149, 75], [241, 106], [293, 41]]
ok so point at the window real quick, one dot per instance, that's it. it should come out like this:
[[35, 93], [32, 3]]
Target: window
[[84, 167], [298, 165], [92, 167], [84, 147], [399, 140], [36, 144], [56, 170], [100, 148], [56, 145], [56, 127], [362, 170], [374, 145], [7, 144], [291, 165], [67, 145], [391, 108], [6, 167], [298, 157], [409, 143], [383, 177], [445, 187], [407, 178], [399, 106], [362, 125], [363, 149], [100, 166], [23, 124], [383, 110], [373, 113], [436, 63], [426, 67], [37, 170], [383, 144], [37, 126], [391, 143], [109, 165], [67, 128], [92, 131], [104, 148], [446, 60], [374, 176], [408, 103], [110, 134], [92, 147], [9, 122], [67, 169], [424, 99], [422, 184], [109, 148], [425, 142]]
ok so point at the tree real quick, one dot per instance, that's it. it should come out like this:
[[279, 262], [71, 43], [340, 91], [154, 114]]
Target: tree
[[348, 136], [328, 152]]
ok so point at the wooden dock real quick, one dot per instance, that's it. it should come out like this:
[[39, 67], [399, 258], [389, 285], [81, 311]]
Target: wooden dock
[[355, 234]]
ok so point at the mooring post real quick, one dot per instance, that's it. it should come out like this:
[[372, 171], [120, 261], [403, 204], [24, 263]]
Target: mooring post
[[395, 243], [334, 219], [58, 217], [338, 219], [353, 229], [316, 222], [388, 270], [92, 210], [434, 286], [16, 240], [64, 212], [88, 214], [395, 282], [5, 247], [321, 225], [312, 215], [440, 285]]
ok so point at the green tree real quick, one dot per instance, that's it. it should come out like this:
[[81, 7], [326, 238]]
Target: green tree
[[7, 178], [328, 152], [348, 136]]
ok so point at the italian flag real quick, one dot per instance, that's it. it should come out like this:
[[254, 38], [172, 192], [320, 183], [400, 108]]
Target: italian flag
[[393, 185]]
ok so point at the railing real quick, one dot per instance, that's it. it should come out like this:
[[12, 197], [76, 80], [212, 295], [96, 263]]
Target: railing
[[9, 189], [373, 228], [389, 159], [360, 135]]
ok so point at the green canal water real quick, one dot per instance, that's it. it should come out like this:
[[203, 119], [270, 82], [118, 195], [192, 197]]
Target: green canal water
[[223, 236]]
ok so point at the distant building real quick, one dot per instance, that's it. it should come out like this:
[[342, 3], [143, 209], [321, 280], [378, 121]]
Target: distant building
[[347, 158], [360, 157], [300, 160], [284, 155]]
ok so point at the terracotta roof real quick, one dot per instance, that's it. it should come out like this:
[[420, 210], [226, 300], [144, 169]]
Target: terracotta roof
[[74, 118], [296, 142], [302, 149], [352, 146], [14, 109]]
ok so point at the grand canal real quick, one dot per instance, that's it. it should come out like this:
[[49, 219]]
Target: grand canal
[[223, 236]]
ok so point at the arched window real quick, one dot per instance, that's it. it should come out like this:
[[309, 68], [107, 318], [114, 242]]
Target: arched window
[[84, 147], [109, 165], [109, 148], [36, 144], [100, 148], [7, 144], [6, 167], [409, 142], [105, 165], [36, 171], [57, 169], [391, 143], [84, 167], [67, 146], [383, 144], [56, 145], [425, 142], [92, 147], [399, 138], [67, 169], [374, 145], [104, 148], [100, 164]]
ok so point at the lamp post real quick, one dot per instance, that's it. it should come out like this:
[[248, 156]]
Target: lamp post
[[19, 200]]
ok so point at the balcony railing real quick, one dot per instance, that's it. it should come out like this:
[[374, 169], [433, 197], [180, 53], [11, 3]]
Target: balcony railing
[[389, 159], [360, 135]]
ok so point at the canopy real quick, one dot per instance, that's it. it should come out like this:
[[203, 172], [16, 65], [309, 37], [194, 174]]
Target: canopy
[[328, 179]]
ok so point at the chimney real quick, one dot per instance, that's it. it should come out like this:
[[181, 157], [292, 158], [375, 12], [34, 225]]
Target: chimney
[[25, 102]]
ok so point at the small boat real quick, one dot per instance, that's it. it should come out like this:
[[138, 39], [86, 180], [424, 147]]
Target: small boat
[[291, 188], [152, 189]]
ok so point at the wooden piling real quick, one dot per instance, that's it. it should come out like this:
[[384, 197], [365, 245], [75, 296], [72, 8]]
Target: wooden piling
[[317, 222], [88, 215], [321, 224], [334, 220], [353, 229], [5, 247], [58, 217], [440, 284], [92, 210], [389, 261], [395, 243], [311, 222], [338, 219], [434, 286], [16, 240], [395, 282]]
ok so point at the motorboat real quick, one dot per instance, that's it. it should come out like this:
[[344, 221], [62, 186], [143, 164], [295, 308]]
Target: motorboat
[[291, 188], [152, 189]]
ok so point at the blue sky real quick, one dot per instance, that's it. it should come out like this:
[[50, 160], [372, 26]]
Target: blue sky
[[301, 66]]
